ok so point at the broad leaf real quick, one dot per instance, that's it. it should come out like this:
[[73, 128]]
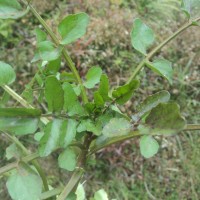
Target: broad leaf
[[54, 94], [24, 184], [80, 192], [123, 93], [164, 119], [57, 133], [19, 112], [13, 151], [67, 159], [73, 27], [104, 87], [162, 67], [68, 132], [71, 103], [90, 126], [93, 77], [20, 121], [98, 99], [51, 139], [100, 195], [53, 67], [40, 35], [10, 9], [47, 51], [148, 146], [7, 74], [116, 127], [149, 103], [141, 36]]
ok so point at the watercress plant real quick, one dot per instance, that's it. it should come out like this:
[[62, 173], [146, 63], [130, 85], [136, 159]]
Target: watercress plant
[[74, 124]]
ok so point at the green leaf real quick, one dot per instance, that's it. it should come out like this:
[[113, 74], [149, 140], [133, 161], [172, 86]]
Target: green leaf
[[98, 99], [164, 119], [150, 102], [53, 66], [100, 195], [162, 67], [80, 192], [116, 127], [189, 7], [38, 136], [19, 112], [13, 151], [104, 87], [57, 133], [10, 9], [90, 126], [40, 35], [68, 132], [54, 94], [24, 184], [51, 139], [93, 77], [7, 74], [67, 77], [141, 36], [73, 27], [19, 125], [71, 103], [67, 159], [125, 92], [20, 121], [148, 146], [48, 52]]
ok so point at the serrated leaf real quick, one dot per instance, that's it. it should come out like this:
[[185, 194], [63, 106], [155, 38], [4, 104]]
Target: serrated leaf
[[7, 74], [90, 126], [104, 87], [51, 139], [116, 127], [162, 67], [148, 146], [150, 102], [24, 184], [10, 9], [100, 195], [164, 119], [142, 36], [67, 159], [123, 93], [93, 77], [73, 27], [19, 121], [47, 51], [54, 94], [71, 103]]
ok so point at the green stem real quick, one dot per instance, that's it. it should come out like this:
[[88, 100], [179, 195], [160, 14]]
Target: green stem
[[35, 163], [160, 46], [192, 127], [14, 165], [71, 184], [64, 52], [51, 193], [22, 101]]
